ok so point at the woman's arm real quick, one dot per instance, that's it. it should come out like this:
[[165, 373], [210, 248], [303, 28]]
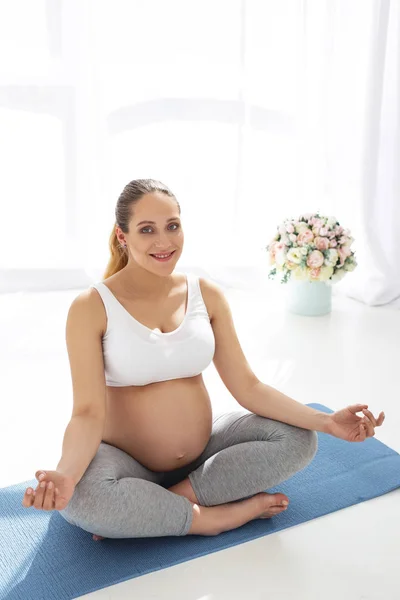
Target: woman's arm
[[266, 401], [238, 377], [82, 439]]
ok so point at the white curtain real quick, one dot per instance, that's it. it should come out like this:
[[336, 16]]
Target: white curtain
[[250, 110]]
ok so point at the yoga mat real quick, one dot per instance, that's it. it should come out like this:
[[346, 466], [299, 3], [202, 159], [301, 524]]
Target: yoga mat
[[42, 557]]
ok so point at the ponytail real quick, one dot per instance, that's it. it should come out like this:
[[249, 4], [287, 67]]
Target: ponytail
[[119, 255]]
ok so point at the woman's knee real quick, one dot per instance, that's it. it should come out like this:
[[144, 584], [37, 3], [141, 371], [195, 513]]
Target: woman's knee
[[80, 503], [299, 445], [304, 443]]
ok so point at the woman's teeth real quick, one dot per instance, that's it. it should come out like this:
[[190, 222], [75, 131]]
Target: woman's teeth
[[162, 257]]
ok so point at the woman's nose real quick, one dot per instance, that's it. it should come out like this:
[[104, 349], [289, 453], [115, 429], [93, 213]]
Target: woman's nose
[[162, 241]]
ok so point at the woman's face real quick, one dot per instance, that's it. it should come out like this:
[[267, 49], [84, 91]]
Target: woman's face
[[161, 236]]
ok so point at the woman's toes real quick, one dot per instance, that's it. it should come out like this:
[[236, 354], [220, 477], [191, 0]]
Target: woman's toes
[[272, 505], [275, 499], [273, 510], [279, 500], [97, 537]]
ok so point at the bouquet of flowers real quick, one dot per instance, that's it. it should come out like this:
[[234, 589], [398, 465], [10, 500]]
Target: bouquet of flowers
[[311, 248]]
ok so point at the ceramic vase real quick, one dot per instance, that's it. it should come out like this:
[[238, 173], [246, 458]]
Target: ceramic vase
[[309, 298]]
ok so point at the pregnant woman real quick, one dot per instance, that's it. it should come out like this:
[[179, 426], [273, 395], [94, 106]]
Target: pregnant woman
[[143, 455]]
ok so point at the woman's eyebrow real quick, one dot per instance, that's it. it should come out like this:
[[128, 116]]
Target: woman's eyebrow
[[154, 223]]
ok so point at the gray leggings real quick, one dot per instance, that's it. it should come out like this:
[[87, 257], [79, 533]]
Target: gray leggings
[[118, 497]]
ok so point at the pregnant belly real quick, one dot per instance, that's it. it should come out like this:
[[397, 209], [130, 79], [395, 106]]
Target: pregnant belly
[[163, 425]]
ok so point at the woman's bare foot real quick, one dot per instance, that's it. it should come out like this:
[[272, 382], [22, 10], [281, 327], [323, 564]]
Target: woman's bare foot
[[272, 504], [97, 537]]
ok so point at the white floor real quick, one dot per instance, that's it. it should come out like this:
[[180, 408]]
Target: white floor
[[349, 356]]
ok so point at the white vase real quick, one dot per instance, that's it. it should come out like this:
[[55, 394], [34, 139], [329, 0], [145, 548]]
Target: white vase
[[309, 298]]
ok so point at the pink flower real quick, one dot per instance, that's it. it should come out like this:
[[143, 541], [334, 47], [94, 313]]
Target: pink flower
[[272, 249], [305, 237], [314, 273], [343, 254], [275, 247], [333, 243], [315, 259], [321, 243], [323, 231], [318, 222], [289, 228]]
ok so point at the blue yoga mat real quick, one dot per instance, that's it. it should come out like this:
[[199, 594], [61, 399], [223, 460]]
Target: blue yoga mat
[[42, 557]]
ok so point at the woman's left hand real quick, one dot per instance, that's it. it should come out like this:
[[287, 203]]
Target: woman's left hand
[[345, 424]]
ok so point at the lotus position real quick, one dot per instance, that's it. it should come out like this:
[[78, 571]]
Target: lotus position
[[143, 455]]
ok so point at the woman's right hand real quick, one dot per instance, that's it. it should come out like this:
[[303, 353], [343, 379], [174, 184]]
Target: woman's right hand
[[56, 494]]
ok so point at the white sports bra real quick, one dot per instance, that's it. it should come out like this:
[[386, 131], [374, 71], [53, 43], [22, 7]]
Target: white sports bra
[[136, 355]]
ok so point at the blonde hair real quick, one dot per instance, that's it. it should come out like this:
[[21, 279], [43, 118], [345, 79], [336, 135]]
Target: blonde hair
[[130, 195]]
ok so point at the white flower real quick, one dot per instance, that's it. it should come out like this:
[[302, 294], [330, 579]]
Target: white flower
[[300, 227], [338, 275], [280, 258], [325, 274], [332, 258], [285, 239], [331, 222], [295, 255], [348, 241], [349, 266], [300, 274]]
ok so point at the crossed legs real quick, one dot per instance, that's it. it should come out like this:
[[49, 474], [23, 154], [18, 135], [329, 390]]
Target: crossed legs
[[223, 488]]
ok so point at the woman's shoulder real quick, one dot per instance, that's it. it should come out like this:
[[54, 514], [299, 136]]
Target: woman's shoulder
[[212, 293]]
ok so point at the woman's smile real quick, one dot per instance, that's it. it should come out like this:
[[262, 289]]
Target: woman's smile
[[163, 257]]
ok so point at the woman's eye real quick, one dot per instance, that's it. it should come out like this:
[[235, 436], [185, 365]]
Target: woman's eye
[[144, 228]]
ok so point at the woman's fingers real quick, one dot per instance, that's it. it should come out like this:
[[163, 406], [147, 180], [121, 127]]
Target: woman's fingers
[[370, 427], [39, 495], [375, 422], [355, 408], [371, 417], [48, 502], [44, 496], [28, 498], [363, 431]]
